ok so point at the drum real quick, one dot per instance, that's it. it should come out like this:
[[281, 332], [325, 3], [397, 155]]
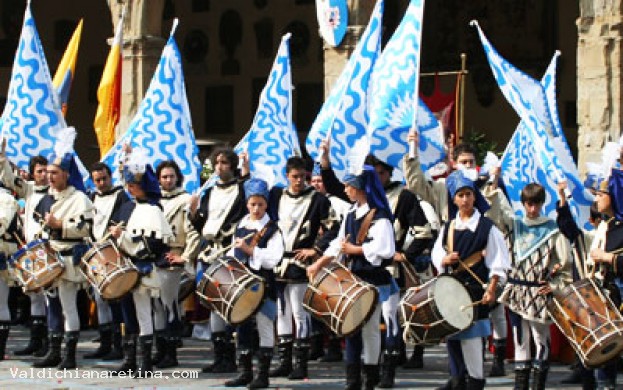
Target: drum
[[437, 309], [230, 289], [37, 265], [411, 277], [187, 286], [110, 273], [340, 299], [589, 319]]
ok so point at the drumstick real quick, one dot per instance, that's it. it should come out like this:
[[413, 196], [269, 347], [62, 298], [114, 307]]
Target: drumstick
[[339, 256], [19, 240], [108, 234], [226, 249], [472, 273], [470, 305]]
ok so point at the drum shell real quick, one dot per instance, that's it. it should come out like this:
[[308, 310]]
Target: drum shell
[[423, 319], [589, 320], [108, 271], [338, 292], [232, 290], [37, 257], [187, 286]]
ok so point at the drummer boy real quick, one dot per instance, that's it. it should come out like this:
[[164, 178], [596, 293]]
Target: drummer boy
[[366, 237], [260, 252], [470, 235]]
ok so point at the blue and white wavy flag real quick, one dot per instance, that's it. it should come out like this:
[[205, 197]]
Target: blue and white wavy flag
[[32, 114], [162, 125], [394, 98], [344, 115], [538, 151], [272, 138]]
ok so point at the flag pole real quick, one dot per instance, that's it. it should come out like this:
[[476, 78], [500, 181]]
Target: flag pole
[[459, 95], [461, 103]]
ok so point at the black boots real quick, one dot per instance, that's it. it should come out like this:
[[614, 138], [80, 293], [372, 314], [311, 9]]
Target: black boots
[[129, 364], [371, 376], [454, 383], [245, 362], [69, 357], [522, 377], [170, 355], [53, 357], [588, 381], [129, 355], [475, 384], [161, 346], [416, 360], [497, 369], [388, 368], [224, 354], [4, 336], [316, 346], [541, 369], [284, 353], [334, 350], [261, 380], [116, 352], [105, 332], [301, 355], [353, 376], [146, 365], [38, 333]]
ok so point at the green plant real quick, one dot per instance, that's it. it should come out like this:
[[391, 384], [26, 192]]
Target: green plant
[[482, 145]]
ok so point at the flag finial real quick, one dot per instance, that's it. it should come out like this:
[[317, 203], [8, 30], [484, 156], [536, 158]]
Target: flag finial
[[176, 22], [474, 23]]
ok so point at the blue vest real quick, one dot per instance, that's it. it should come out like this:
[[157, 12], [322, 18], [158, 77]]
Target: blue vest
[[359, 265], [268, 274], [466, 243]]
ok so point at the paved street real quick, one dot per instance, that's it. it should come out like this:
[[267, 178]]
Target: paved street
[[195, 354]]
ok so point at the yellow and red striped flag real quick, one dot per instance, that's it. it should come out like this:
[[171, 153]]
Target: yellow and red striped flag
[[109, 94], [67, 68]]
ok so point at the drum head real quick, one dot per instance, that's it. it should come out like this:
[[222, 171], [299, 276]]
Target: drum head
[[359, 312], [248, 302], [450, 296], [121, 284]]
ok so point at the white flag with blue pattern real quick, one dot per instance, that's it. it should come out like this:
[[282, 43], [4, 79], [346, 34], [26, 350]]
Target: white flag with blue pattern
[[344, 115], [32, 114], [395, 107], [162, 125], [538, 151], [272, 138]]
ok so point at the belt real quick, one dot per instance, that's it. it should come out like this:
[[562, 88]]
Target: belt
[[526, 283]]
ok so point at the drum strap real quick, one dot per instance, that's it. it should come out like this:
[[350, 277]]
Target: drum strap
[[365, 227], [259, 235], [470, 261]]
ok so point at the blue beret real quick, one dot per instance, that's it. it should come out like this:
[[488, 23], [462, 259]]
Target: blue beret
[[254, 186], [457, 181]]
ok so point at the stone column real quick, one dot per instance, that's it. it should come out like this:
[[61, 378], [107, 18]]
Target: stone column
[[335, 58], [142, 47], [599, 77]]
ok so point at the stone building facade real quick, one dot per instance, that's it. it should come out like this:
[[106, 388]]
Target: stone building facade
[[228, 48]]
